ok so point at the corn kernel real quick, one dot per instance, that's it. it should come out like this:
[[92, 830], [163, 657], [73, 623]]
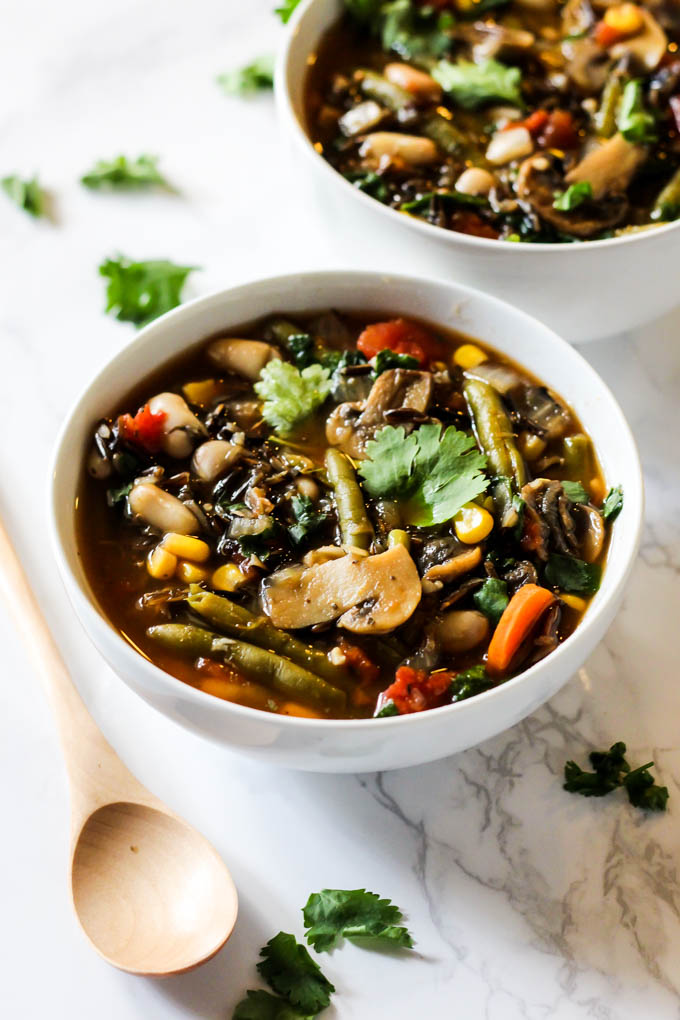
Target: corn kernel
[[574, 602], [469, 356], [185, 547], [228, 577], [161, 564], [472, 523], [203, 392], [190, 573], [624, 18]]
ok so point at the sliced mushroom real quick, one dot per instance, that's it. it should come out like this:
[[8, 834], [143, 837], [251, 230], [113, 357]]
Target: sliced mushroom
[[365, 594], [461, 630], [242, 357], [591, 532], [610, 168], [454, 567], [587, 64], [351, 425], [181, 427], [645, 49], [214, 458], [539, 180]]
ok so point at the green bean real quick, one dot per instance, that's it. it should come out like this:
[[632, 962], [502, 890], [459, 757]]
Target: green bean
[[667, 205], [445, 134], [282, 330], [383, 91], [496, 440], [355, 527], [238, 622], [398, 537], [578, 457], [605, 118], [269, 669]]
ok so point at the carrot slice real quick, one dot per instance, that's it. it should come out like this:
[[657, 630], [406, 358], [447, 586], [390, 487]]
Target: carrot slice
[[519, 617]]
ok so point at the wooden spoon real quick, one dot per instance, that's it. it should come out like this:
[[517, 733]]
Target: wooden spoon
[[152, 895]]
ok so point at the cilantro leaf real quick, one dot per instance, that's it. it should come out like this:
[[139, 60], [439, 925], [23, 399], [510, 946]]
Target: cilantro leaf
[[574, 196], [28, 194], [573, 575], [291, 395], [634, 122], [432, 474], [285, 11], [369, 182], [125, 174], [613, 504], [444, 198], [492, 598], [642, 790], [254, 77], [575, 492], [308, 519], [262, 1005], [141, 291], [472, 85], [300, 346], [119, 494], [469, 682], [609, 767], [387, 359], [290, 970], [354, 914], [413, 31], [386, 711]]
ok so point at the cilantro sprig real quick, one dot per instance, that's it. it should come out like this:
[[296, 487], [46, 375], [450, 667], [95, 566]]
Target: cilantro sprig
[[290, 395], [433, 474], [123, 174], [308, 520], [471, 85], [27, 194], [352, 914], [141, 291], [257, 76], [289, 969], [612, 772], [613, 504], [285, 11]]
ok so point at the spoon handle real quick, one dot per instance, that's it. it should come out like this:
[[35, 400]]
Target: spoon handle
[[96, 774]]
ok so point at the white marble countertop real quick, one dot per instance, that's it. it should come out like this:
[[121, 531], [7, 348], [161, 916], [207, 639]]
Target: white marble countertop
[[525, 902]]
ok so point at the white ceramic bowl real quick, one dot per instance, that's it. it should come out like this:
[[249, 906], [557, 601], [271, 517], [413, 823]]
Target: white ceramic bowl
[[583, 290], [354, 745]]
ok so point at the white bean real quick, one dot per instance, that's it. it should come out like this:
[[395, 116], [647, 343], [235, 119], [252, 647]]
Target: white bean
[[213, 458], [162, 510], [98, 466], [418, 83], [475, 181], [180, 424], [507, 145], [242, 357], [307, 487], [390, 145], [462, 629]]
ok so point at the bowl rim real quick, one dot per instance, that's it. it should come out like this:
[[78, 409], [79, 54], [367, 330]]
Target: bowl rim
[[92, 616], [294, 125]]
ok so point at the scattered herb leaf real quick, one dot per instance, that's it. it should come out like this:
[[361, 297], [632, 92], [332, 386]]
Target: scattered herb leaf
[[289, 969], [263, 1005], [254, 77], [492, 598], [446, 198], [285, 11], [471, 85], [291, 395], [573, 575], [574, 196], [613, 771], [122, 173], [432, 474], [352, 914], [369, 182], [118, 494], [386, 711], [575, 492], [141, 291], [387, 359], [28, 194], [634, 122], [613, 504], [308, 519], [470, 682], [642, 790]]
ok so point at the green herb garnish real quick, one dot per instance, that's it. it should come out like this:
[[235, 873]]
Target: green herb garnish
[[612, 771], [573, 575], [141, 291], [254, 77], [572, 198], [27, 194], [634, 122], [446, 198], [613, 504], [575, 492], [119, 494], [492, 598], [291, 395], [308, 520], [122, 173], [263, 1005], [370, 182], [471, 85], [470, 682], [384, 360], [431, 474], [289, 969], [285, 11], [386, 711], [352, 914]]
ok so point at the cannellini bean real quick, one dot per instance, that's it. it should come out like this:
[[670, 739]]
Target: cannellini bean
[[180, 426], [475, 181], [307, 487], [361, 118], [418, 83], [242, 357], [98, 466], [161, 509], [505, 146], [214, 458], [390, 145], [461, 630]]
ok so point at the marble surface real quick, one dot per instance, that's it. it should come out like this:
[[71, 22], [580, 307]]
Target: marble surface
[[526, 903]]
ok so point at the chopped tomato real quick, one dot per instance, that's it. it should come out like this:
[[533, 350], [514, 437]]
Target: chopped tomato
[[414, 690], [606, 35], [145, 428], [560, 131], [359, 662], [401, 336], [471, 223], [534, 123]]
